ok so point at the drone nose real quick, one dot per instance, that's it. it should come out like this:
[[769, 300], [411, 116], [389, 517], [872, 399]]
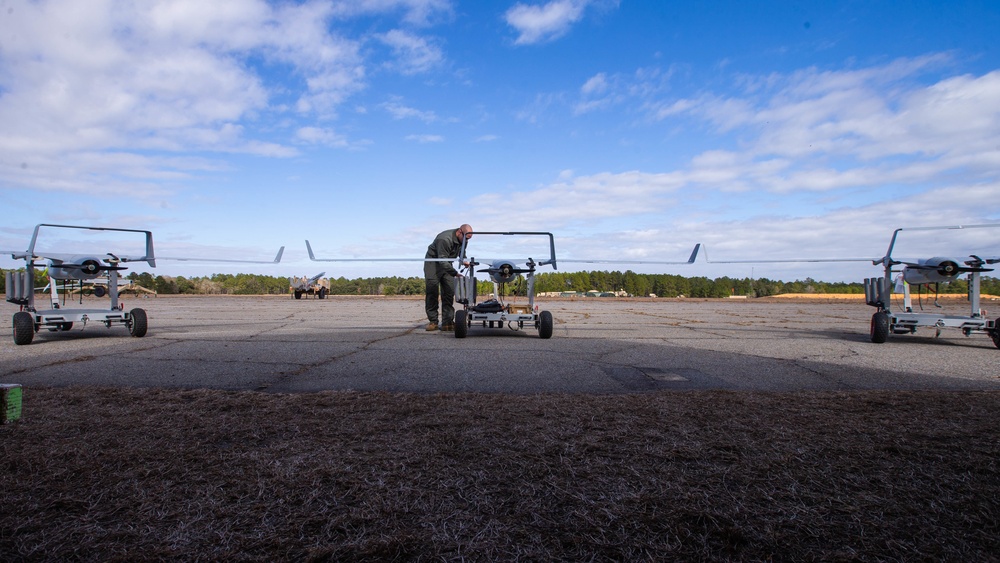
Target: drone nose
[[948, 268], [90, 266]]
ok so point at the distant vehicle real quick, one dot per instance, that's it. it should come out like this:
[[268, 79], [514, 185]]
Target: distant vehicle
[[315, 285], [100, 287], [79, 269]]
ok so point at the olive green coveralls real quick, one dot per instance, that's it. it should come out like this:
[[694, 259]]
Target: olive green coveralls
[[439, 277]]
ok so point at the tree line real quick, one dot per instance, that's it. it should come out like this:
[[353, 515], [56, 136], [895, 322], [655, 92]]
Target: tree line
[[661, 285], [256, 284]]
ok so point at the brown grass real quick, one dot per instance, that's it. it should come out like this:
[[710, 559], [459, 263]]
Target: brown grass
[[132, 474], [861, 296]]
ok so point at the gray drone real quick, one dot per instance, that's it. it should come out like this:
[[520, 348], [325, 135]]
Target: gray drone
[[63, 268], [919, 273]]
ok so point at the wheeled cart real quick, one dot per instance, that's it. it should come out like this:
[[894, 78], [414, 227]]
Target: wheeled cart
[[878, 294], [494, 312], [29, 320]]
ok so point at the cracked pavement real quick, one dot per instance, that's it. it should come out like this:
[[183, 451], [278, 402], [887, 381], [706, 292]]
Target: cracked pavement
[[599, 346]]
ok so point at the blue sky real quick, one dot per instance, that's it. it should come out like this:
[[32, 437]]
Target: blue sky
[[629, 129]]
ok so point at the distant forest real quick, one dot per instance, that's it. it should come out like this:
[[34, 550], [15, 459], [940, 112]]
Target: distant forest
[[661, 285]]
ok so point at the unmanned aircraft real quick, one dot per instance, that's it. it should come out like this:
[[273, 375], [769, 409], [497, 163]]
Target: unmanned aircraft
[[79, 268], [501, 271], [921, 272], [311, 286], [926, 272]]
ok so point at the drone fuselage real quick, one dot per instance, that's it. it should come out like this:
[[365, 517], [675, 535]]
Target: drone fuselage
[[77, 268]]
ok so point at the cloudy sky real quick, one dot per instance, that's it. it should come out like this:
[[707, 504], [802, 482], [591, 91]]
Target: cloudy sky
[[630, 129]]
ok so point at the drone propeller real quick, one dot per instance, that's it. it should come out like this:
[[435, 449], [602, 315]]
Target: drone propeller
[[91, 267], [949, 268], [505, 270]]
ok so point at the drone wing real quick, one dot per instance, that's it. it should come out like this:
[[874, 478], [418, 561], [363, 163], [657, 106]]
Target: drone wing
[[690, 260], [55, 257], [312, 257], [276, 259], [551, 260], [787, 261]]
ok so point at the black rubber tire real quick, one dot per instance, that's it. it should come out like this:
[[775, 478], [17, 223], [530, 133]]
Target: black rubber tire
[[461, 323], [880, 327], [137, 323], [545, 324], [65, 326], [24, 328], [995, 335], [298, 295], [322, 293]]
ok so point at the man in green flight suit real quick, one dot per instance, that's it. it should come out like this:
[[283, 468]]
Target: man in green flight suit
[[439, 277]]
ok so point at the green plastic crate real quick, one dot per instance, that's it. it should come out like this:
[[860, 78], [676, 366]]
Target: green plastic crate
[[10, 401]]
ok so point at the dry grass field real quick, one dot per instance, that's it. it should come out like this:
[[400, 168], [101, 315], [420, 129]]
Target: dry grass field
[[861, 296], [102, 474]]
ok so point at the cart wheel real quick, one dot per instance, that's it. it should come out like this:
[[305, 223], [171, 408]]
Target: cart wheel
[[995, 335], [65, 326], [298, 295], [137, 325], [461, 323], [24, 328], [545, 324], [880, 327], [322, 293]]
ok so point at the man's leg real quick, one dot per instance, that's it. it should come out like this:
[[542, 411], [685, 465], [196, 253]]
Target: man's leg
[[447, 300], [431, 299]]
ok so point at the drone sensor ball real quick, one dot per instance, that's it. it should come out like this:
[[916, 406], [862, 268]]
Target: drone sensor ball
[[503, 271]]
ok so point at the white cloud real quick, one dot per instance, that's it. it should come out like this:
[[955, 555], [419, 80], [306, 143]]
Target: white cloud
[[596, 84], [814, 130], [539, 108], [423, 139], [413, 54], [399, 111], [575, 200], [321, 136], [416, 12], [596, 93], [539, 23], [173, 76]]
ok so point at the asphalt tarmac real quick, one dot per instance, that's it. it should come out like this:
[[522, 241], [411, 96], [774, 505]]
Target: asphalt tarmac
[[599, 346]]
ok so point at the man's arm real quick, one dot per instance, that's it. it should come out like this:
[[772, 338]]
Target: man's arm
[[444, 248]]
